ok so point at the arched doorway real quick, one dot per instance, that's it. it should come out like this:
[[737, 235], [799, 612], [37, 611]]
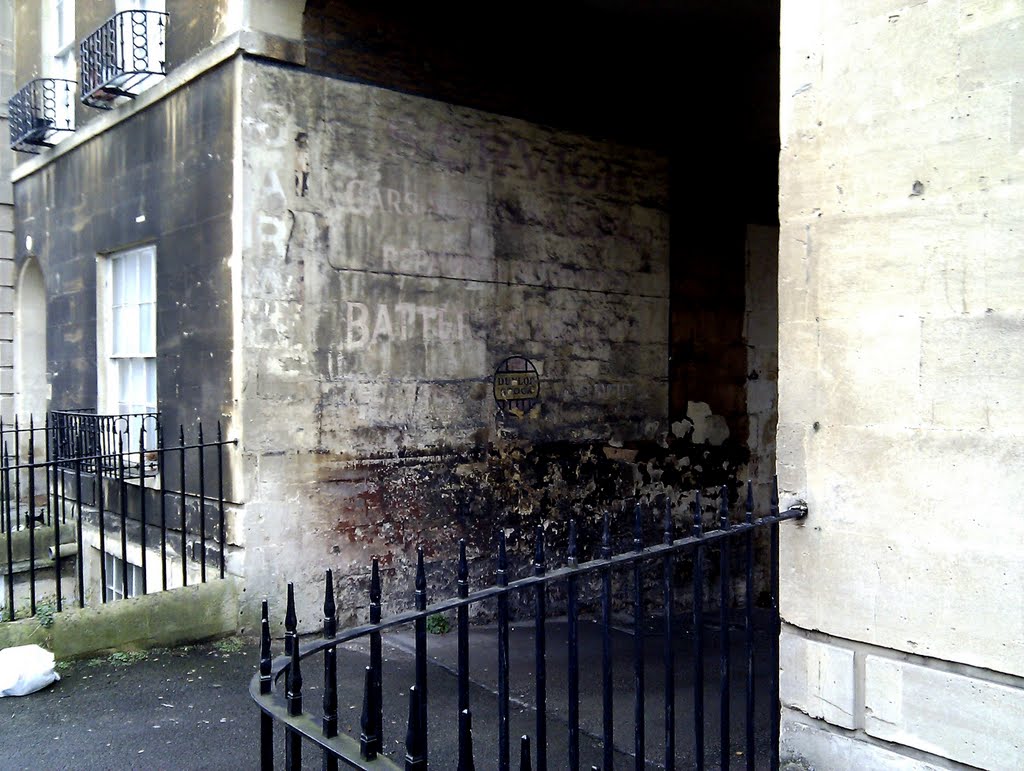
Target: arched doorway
[[32, 391]]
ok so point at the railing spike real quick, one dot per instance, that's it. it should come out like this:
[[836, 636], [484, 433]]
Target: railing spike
[[375, 592], [525, 761], [776, 623], [415, 757], [725, 665], [540, 651], [182, 499], [421, 577], [330, 700], [368, 745], [462, 621], [293, 699], [421, 659], [501, 579], [266, 655], [606, 538], [290, 622], [639, 674], [330, 609], [463, 567], [266, 682], [538, 554], [748, 628], [293, 694], [573, 668], [466, 762], [698, 634], [502, 571], [376, 657], [668, 534]]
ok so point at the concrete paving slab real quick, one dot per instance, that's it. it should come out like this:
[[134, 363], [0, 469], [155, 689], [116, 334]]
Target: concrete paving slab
[[189, 708]]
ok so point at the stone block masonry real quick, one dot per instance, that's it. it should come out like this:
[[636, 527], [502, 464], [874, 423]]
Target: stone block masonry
[[910, 704], [900, 413], [7, 160], [857, 701], [395, 251]]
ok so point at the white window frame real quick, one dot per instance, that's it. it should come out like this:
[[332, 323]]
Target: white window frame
[[126, 365], [59, 47], [63, 22], [114, 567], [139, 5]]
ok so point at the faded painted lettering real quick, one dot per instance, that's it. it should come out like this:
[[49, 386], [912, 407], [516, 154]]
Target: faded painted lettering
[[367, 199], [369, 326]]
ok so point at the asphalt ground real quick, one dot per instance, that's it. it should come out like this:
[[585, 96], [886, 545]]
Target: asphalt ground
[[189, 708]]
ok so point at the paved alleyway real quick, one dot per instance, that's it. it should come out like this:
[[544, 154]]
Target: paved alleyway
[[190, 708], [181, 709]]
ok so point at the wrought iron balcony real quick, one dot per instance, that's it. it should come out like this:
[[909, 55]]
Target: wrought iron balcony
[[40, 112], [123, 58], [111, 444]]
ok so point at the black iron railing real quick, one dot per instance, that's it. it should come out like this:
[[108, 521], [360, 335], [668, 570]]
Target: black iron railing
[[320, 727], [123, 57], [40, 112], [105, 441], [66, 496]]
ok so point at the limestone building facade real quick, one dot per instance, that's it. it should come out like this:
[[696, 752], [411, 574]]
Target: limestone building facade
[[346, 232], [358, 227], [900, 417]]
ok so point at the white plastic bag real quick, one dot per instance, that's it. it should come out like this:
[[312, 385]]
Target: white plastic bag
[[25, 669]]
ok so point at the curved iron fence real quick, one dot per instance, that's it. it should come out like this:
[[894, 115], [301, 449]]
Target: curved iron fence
[[278, 688]]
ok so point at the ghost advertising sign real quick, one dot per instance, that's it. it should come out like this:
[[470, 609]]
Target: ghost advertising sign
[[516, 385]]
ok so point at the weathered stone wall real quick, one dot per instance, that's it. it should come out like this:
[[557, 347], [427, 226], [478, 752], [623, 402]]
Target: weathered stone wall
[[396, 250], [29, 26], [901, 377], [761, 337], [164, 177], [7, 278]]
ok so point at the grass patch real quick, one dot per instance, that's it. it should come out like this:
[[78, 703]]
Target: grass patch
[[126, 658], [438, 623], [229, 645]]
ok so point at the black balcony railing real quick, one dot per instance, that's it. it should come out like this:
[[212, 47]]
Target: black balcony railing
[[104, 442], [124, 57], [40, 112]]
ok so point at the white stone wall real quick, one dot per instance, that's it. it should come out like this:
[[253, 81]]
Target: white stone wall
[[901, 381]]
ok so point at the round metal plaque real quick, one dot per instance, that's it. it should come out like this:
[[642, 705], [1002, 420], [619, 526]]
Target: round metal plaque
[[516, 385]]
